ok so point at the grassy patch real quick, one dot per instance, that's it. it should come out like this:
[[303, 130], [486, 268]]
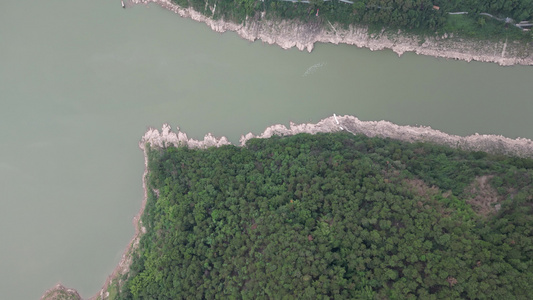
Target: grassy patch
[[112, 290], [482, 27]]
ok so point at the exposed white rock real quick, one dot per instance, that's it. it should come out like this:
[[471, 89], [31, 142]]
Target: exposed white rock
[[288, 34], [489, 143], [166, 138]]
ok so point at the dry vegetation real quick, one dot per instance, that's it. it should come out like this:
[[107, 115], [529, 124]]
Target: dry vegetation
[[482, 196]]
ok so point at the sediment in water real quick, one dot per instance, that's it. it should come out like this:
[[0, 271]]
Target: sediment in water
[[290, 33]]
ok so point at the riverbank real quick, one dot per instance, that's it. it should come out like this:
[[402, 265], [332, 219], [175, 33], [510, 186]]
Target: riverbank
[[125, 262], [158, 139], [61, 292], [288, 34], [495, 144]]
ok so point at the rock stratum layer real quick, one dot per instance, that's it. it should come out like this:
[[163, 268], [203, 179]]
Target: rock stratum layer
[[288, 34], [495, 144]]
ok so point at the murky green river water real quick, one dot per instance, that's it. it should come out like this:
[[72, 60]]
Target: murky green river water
[[80, 81]]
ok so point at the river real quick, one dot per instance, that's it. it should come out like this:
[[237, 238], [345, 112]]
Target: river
[[80, 82]]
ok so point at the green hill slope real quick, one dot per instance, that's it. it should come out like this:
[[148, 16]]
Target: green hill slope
[[334, 216], [486, 20]]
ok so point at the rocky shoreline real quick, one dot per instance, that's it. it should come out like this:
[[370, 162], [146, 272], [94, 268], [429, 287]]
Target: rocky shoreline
[[288, 34], [496, 144], [61, 292], [58, 292], [125, 262]]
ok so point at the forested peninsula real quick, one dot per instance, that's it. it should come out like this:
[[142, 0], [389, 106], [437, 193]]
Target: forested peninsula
[[490, 31], [337, 209]]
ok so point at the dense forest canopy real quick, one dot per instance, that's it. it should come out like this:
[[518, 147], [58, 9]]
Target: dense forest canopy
[[420, 16], [334, 216]]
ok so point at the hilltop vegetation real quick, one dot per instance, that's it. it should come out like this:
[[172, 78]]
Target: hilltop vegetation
[[418, 16], [334, 216]]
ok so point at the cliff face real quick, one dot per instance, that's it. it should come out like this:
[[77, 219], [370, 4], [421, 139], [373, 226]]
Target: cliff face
[[488, 143], [288, 34]]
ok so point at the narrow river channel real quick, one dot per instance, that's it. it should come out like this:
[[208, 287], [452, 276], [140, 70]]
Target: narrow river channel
[[80, 81]]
